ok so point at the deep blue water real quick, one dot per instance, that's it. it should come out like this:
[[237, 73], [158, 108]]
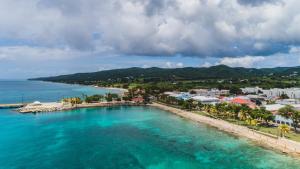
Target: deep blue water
[[28, 91], [124, 138]]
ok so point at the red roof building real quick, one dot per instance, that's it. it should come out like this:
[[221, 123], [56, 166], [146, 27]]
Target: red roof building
[[242, 101]]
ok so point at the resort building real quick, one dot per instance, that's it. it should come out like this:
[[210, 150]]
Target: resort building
[[292, 93], [273, 107], [251, 90], [206, 100], [278, 118], [210, 92], [179, 95], [282, 120], [243, 101]]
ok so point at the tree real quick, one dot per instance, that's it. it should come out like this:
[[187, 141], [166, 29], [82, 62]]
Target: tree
[[284, 129], [193, 92], [93, 98], [266, 115], [235, 90], [290, 112], [284, 96]]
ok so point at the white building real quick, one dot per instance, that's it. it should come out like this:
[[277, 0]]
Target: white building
[[293, 93], [282, 120], [206, 100], [251, 90], [210, 92]]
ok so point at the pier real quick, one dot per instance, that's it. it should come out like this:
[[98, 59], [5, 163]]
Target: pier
[[12, 106]]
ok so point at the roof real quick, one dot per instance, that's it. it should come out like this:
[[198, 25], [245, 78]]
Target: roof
[[207, 99], [273, 107], [239, 100]]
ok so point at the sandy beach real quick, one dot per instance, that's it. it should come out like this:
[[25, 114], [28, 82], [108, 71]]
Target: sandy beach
[[112, 88], [262, 139]]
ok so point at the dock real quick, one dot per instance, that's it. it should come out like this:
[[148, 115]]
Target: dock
[[12, 106]]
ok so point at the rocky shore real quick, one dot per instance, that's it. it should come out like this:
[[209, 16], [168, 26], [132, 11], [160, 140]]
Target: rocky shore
[[263, 139]]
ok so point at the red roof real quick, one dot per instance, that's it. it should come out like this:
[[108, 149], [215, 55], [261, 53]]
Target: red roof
[[240, 101], [243, 101]]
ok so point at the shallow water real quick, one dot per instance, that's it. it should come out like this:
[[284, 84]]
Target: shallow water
[[125, 137]]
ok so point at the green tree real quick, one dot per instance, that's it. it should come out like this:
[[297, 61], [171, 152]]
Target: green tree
[[284, 96], [235, 90], [266, 115], [290, 112]]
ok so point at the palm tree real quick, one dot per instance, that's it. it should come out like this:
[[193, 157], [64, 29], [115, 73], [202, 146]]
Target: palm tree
[[290, 112], [284, 129], [243, 115]]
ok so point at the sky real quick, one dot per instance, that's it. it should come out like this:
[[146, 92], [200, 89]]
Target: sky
[[53, 37]]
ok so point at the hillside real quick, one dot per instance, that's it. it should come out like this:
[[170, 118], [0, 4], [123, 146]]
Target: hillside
[[163, 74]]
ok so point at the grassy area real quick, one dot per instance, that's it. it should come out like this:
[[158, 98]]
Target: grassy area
[[273, 130], [269, 130]]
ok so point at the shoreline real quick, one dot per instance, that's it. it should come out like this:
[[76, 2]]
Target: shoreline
[[278, 144], [111, 88]]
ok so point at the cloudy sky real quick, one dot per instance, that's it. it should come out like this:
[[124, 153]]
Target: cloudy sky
[[51, 37]]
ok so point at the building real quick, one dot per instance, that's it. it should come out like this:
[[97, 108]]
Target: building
[[210, 92], [243, 101], [251, 90], [292, 93], [179, 95], [206, 100], [278, 118]]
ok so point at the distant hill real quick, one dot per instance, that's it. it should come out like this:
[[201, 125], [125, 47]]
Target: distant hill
[[163, 74]]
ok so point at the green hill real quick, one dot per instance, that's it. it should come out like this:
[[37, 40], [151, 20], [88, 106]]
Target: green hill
[[176, 74]]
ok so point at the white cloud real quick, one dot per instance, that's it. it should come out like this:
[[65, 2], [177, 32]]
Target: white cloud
[[37, 53], [247, 61], [173, 65], [151, 27]]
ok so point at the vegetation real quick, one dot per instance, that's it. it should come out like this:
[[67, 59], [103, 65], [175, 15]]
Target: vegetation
[[252, 117], [284, 129], [73, 100], [222, 77], [290, 112], [94, 98]]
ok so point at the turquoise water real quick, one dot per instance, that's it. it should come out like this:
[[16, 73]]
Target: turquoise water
[[116, 138], [125, 137], [29, 91]]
